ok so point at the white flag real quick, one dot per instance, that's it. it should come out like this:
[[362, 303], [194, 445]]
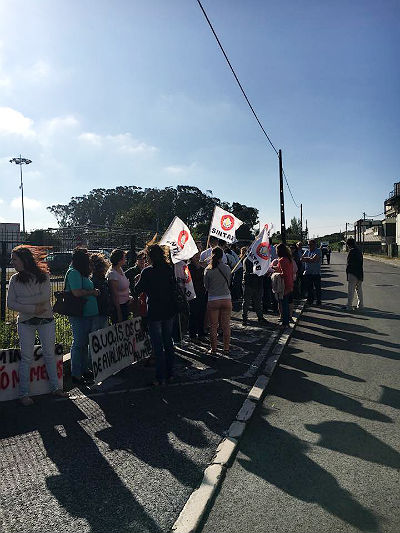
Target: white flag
[[184, 278], [224, 225], [260, 252], [179, 240]]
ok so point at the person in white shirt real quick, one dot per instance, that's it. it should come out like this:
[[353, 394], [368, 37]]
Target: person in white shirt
[[205, 256], [29, 293]]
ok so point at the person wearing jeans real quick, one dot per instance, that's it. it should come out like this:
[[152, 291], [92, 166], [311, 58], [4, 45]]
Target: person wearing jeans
[[157, 281], [77, 281], [160, 332], [29, 293], [312, 272], [217, 277]]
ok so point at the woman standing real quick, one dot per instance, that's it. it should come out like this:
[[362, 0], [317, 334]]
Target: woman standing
[[158, 281], [29, 294], [77, 281], [285, 269], [217, 277], [119, 286], [99, 266]]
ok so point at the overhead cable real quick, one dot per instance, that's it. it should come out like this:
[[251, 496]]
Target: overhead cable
[[244, 94]]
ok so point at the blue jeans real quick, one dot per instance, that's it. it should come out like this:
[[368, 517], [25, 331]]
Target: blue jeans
[[100, 322], [160, 332], [81, 327], [285, 310]]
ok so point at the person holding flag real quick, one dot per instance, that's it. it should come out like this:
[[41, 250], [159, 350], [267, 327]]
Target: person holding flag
[[255, 266]]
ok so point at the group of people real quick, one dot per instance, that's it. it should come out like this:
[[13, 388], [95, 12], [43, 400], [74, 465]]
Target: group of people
[[149, 288]]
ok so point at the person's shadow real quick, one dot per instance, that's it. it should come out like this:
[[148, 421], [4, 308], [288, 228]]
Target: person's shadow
[[281, 459], [86, 486]]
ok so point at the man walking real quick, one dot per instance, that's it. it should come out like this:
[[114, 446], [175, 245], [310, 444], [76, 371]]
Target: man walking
[[312, 272], [355, 275]]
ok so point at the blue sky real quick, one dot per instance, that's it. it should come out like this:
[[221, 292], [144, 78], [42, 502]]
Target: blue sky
[[100, 94]]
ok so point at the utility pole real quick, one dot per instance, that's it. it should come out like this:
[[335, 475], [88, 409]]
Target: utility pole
[[301, 222], [282, 200], [363, 236]]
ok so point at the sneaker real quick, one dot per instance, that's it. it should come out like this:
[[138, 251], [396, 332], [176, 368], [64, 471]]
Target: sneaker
[[212, 353], [60, 393], [262, 320], [26, 401]]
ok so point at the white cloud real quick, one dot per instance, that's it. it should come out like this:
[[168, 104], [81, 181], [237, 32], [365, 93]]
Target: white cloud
[[122, 142], [13, 122], [30, 204], [179, 170], [1, 201]]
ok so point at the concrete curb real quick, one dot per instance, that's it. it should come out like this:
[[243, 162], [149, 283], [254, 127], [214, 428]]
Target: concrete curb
[[195, 508]]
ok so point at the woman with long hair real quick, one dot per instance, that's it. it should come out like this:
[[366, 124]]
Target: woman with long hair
[[285, 269], [119, 286], [77, 281], [99, 266], [157, 281], [217, 277], [29, 293]]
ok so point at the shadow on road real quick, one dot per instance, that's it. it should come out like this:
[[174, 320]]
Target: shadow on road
[[347, 341], [281, 459], [390, 397], [295, 386], [290, 359], [349, 438], [86, 486]]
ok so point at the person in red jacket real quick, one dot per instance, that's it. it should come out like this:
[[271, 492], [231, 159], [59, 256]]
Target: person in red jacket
[[285, 268]]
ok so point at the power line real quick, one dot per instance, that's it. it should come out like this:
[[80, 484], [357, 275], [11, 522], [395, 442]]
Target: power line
[[236, 78], [287, 183], [244, 94]]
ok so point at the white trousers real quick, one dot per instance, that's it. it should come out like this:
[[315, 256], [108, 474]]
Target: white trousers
[[354, 285], [47, 336]]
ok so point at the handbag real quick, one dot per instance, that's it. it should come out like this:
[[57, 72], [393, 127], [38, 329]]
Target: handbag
[[67, 304]]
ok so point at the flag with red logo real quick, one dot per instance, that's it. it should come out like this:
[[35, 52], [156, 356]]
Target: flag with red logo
[[224, 225], [179, 240], [260, 252], [184, 278]]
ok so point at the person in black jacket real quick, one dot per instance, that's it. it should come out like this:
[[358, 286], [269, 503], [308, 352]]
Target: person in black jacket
[[158, 282], [252, 290], [355, 275]]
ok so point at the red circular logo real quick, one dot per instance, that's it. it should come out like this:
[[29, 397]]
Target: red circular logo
[[263, 250], [183, 237], [186, 271], [227, 222]]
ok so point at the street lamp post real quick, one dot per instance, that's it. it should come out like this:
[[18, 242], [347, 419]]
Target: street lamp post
[[21, 161]]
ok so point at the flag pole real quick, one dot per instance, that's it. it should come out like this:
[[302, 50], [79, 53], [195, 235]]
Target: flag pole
[[208, 240]]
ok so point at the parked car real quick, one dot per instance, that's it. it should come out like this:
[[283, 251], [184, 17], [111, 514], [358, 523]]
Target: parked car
[[59, 262]]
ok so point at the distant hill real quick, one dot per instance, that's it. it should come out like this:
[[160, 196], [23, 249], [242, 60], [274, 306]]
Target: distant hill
[[333, 237]]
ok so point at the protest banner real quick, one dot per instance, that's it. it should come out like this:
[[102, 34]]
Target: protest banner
[[184, 278], [179, 240], [224, 225], [260, 252], [39, 380], [118, 346]]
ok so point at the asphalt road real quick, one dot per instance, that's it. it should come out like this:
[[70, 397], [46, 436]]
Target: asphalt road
[[122, 457], [322, 451]]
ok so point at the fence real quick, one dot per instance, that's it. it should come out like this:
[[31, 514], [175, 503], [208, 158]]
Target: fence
[[61, 242]]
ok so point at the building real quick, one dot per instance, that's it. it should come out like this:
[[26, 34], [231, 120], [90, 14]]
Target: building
[[391, 221], [10, 235]]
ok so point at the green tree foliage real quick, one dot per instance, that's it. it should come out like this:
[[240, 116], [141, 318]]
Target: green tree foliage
[[294, 230], [132, 207]]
